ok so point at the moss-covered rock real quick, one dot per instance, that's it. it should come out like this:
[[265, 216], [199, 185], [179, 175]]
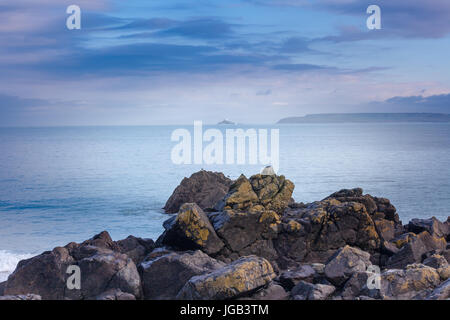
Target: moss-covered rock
[[239, 278], [191, 229]]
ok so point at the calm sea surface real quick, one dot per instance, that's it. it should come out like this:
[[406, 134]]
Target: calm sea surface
[[66, 184]]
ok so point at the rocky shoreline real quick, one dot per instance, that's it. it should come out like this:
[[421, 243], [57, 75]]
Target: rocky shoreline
[[248, 239]]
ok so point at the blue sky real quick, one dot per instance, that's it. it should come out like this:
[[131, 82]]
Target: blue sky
[[252, 61]]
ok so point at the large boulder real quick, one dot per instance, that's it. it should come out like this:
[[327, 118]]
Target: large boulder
[[246, 233], [315, 233], [105, 271], [265, 192], [407, 284], [102, 267], [357, 286], [345, 263], [237, 279], [44, 275], [414, 250], [191, 229], [164, 275], [432, 225], [204, 188]]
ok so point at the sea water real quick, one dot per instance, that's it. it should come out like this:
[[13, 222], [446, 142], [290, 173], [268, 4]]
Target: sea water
[[65, 184]]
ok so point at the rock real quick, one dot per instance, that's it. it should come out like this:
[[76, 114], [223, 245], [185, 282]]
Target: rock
[[406, 284], [264, 192], [415, 249], [191, 230], [135, 248], [115, 294], [290, 278], [446, 254], [205, 188], [101, 269], [101, 240], [442, 292], [444, 272], [2, 287], [432, 225], [164, 276], [385, 229], [401, 240], [379, 208], [232, 281], [43, 275], [325, 227], [272, 292], [344, 263], [105, 271], [357, 286], [246, 233], [308, 291], [436, 261], [22, 297]]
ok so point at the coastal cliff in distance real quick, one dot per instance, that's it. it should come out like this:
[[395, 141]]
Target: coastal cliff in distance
[[367, 117]]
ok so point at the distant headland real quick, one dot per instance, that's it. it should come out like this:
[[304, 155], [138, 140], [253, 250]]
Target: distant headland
[[367, 117]]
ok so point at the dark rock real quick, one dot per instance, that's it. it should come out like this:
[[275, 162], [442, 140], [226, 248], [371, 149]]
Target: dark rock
[[414, 250], [235, 280], [324, 227], [357, 286], [2, 287], [191, 230], [442, 292], [344, 263], [164, 276], [436, 261], [105, 271], [205, 188], [247, 233], [432, 225], [290, 278], [44, 275], [136, 248], [308, 291], [101, 269]]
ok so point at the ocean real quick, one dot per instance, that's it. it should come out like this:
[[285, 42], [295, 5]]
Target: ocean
[[65, 184]]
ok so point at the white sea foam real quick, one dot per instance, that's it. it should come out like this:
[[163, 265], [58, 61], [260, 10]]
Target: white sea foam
[[8, 262]]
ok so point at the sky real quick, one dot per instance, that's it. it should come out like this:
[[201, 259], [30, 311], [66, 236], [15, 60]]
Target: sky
[[141, 62]]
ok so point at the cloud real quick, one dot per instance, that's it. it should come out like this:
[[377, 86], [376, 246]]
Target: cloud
[[301, 67], [401, 18]]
